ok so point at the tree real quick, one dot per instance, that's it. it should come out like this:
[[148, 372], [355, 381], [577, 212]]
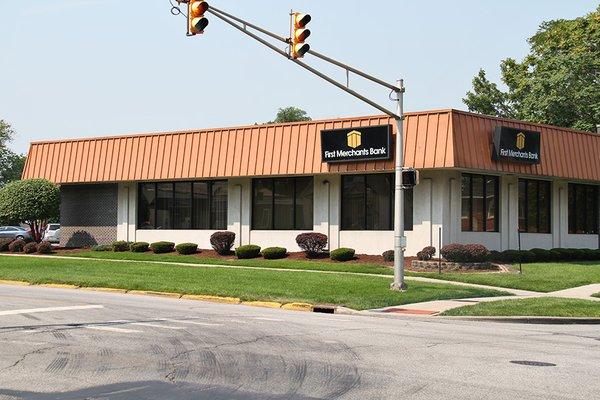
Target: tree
[[557, 83], [11, 164], [31, 201], [290, 114]]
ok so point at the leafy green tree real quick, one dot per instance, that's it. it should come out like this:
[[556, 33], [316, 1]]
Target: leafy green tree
[[11, 164], [31, 201], [557, 83], [290, 114]]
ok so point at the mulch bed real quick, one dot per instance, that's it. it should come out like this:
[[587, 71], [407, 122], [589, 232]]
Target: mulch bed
[[358, 259]]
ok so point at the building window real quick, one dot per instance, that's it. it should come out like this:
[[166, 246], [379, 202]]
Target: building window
[[534, 206], [182, 205], [282, 203], [368, 203], [479, 203], [583, 209]]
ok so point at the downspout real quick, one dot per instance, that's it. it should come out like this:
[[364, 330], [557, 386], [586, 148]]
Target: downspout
[[560, 215], [430, 181], [326, 182]]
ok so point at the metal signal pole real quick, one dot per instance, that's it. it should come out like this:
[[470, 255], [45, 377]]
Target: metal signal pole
[[399, 238]]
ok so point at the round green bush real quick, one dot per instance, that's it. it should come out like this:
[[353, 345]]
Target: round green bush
[[187, 248], [342, 254], [527, 256], [30, 248], [120, 246], [162, 247], [542, 255], [16, 246], [247, 251], [274, 253], [388, 255], [44, 248], [102, 247], [139, 247], [495, 256]]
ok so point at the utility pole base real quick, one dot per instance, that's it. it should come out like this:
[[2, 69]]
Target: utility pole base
[[398, 287]]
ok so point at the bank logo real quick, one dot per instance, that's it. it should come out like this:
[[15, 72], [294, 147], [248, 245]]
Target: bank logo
[[354, 139], [520, 140]]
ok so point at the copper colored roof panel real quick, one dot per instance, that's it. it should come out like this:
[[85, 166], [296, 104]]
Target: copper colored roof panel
[[432, 140]]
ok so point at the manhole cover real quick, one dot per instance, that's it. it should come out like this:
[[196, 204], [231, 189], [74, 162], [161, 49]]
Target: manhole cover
[[534, 363]]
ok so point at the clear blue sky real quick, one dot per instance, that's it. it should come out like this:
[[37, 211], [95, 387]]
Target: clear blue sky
[[75, 68]]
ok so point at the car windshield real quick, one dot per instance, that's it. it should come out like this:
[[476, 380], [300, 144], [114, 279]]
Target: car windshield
[[53, 227]]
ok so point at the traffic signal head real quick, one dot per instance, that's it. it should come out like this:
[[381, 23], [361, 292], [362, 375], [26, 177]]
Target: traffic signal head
[[299, 34], [197, 22]]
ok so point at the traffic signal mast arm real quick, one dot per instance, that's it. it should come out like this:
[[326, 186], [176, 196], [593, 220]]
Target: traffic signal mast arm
[[227, 17]]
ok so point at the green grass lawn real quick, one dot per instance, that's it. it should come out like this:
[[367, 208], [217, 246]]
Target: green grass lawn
[[596, 295], [543, 307], [314, 265], [547, 277], [358, 292]]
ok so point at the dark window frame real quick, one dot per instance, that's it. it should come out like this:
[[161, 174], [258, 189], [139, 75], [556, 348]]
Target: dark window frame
[[587, 213], [366, 216], [484, 197], [212, 224], [295, 180], [538, 184]]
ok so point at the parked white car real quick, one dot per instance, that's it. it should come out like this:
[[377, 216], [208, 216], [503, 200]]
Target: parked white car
[[52, 233]]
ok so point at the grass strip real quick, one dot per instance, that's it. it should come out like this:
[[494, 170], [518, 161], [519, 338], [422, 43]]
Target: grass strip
[[534, 307], [358, 292], [314, 265], [539, 277]]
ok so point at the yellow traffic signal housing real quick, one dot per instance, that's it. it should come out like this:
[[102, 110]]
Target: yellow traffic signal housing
[[197, 22], [299, 34]]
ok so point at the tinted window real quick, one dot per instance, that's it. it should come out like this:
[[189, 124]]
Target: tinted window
[[479, 203], [368, 203], [282, 203], [583, 209]]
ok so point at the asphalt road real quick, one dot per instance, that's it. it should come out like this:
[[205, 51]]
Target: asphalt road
[[73, 344]]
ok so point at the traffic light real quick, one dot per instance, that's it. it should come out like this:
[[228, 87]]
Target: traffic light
[[299, 34], [197, 22], [410, 178]]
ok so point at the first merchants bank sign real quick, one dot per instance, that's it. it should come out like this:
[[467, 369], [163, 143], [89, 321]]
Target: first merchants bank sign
[[356, 144], [516, 145]]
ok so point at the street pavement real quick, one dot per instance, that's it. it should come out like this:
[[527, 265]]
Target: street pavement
[[75, 344]]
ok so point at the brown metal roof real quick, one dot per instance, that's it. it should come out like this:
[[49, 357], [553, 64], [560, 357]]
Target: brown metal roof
[[433, 140]]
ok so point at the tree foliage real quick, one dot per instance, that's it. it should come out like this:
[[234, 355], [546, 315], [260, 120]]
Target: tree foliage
[[11, 164], [32, 201], [290, 114], [557, 83]]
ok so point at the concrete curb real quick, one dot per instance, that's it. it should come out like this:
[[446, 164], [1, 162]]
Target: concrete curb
[[264, 304], [157, 294], [14, 283], [298, 307], [213, 299], [529, 320]]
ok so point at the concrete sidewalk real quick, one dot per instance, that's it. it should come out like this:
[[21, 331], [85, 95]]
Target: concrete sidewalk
[[431, 308]]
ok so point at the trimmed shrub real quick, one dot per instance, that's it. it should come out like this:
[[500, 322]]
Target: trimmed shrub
[[102, 247], [542, 255], [120, 246], [44, 248], [527, 256], [30, 248], [162, 247], [597, 255], [247, 251], [455, 252], [16, 246], [222, 242], [426, 254], [274, 253], [4, 242], [388, 255], [139, 247], [342, 254], [312, 243], [495, 256], [186, 248], [477, 253]]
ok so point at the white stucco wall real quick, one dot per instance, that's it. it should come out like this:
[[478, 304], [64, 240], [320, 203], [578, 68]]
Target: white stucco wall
[[437, 204]]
